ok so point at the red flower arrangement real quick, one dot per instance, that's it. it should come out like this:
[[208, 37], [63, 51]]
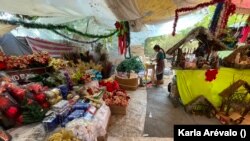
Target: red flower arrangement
[[2, 63], [28, 110], [118, 97], [22, 62], [110, 86], [211, 74], [37, 90], [17, 93], [8, 108], [185, 9]]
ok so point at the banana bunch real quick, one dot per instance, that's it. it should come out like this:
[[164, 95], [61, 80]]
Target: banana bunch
[[63, 135], [58, 63]]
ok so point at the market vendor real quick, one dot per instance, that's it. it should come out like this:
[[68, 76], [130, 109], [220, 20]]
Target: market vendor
[[160, 64]]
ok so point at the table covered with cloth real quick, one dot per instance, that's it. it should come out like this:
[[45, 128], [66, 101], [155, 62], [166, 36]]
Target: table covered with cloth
[[192, 83]]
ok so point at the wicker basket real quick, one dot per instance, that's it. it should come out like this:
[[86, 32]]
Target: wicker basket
[[128, 83]]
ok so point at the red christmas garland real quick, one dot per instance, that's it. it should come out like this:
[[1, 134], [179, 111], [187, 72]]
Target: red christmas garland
[[122, 34], [185, 9], [229, 9]]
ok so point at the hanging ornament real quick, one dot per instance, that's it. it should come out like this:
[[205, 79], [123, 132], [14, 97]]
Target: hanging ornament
[[123, 36], [40, 98], [12, 112], [4, 102], [45, 105], [19, 120]]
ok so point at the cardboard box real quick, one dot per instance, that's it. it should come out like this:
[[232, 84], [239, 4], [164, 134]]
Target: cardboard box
[[118, 110]]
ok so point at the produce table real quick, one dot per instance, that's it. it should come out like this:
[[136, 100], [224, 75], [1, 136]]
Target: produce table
[[36, 131], [192, 83]]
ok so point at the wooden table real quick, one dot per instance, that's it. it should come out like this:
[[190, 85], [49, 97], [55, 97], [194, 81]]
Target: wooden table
[[147, 67]]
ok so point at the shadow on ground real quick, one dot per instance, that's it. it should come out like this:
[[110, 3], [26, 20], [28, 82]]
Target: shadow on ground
[[161, 116]]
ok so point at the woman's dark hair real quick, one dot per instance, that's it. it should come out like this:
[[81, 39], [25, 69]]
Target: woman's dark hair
[[157, 47]]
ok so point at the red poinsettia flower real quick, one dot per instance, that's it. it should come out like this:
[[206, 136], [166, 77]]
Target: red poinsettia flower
[[45, 105], [40, 98], [211, 74], [2, 65], [116, 85], [4, 102], [12, 112], [19, 120]]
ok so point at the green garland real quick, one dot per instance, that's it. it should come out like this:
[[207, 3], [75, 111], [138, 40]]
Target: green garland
[[54, 27], [74, 40]]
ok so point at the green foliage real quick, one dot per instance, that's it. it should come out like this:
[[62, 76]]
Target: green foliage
[[127, 65], [32, 112], [234, 19], [53, 28], [166, 42], [205, 22]]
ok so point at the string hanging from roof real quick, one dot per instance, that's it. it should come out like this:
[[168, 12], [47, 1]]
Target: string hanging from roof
[[55, 27], [185, 9]]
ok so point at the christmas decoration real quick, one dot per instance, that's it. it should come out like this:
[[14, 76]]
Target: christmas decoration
[[23, 62], [216, 17], [12, 112], [211, 74], [229, 9], [118, 97], [186, 9], [54, 27], [123, 36]]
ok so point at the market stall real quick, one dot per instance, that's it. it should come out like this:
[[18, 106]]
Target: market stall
[[207, 82], [67, 96]]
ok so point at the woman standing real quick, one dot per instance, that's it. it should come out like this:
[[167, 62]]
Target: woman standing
[[160, 64]]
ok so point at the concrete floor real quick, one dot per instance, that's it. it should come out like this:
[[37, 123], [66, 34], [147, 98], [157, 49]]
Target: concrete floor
[[161, 116]]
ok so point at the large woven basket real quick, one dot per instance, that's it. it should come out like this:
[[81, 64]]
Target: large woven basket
[[128, 83]]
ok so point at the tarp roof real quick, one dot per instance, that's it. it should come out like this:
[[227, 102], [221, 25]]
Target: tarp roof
[[149, 11], [105, 12]]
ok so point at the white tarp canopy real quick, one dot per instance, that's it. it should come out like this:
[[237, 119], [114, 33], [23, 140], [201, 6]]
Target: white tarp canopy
[[104, 13]]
